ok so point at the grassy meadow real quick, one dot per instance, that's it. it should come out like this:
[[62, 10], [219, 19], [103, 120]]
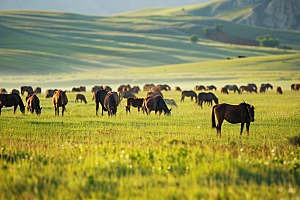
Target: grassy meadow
[[135, 156]]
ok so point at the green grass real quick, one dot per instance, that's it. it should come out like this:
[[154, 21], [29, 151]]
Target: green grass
[[135, 156]]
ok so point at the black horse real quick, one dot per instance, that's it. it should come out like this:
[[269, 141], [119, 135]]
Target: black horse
[[242, 113], [99, 97], [110, 103], [9, 100], [189, 93], [207, 97]]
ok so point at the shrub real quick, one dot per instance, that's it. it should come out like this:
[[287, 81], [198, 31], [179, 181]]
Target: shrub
[[194, 38]]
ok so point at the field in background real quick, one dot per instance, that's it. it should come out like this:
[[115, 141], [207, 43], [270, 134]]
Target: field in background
[[136, 156]]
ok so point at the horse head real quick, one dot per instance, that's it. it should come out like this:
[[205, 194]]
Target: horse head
[[38, 110], [250, 109]]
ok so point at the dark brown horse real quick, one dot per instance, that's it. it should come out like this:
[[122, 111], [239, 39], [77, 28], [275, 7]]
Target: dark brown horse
[[154, 94], [9, 100], [199, 87], [232, 87], [126, 95], [189, 93], [107, 88], [297, 87], [80, 97], [27, 89], [15, 91], [148, 87], [96, 88], [268, 85], [59, 99], [33, 104], [99, 97], [49, 93], [207, 97], [82, 88], [177, 88], [134, 102], [248, 89], [252, 85], [224, 90], [262, 88], [38, 90], [3, 91], [164, 87], [156, 103], [242, 113], [75, 89], [111, 103], [279, 90], [211, 87]]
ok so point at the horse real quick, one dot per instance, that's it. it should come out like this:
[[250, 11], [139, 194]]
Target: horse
[[242, 113], [268, 85], [190, 93], [224, 90], [164, 87], [3, 91], [99, 97], [82, 88], [59, 99], [27, 89], [49, 93], [293, 87], [33, 104], [126, 95], [134, 102], [232, 87], [148, 87], [15, 91], [9, 100], [74, 89], [247, 88], [107, 88], [171, 102], [211, 87], [177, 88], [37, 90], [207, 97], [252, 85], [136, 89], [199, 87], [154, 94], [262, 88], [297, 87], [156, 103], [279, 90], [110, 103], [96, 88], [80, 97]]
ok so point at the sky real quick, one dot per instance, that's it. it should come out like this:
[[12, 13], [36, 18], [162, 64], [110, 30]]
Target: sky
[[92, 7]]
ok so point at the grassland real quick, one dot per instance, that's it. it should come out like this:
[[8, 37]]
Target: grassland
[[134, 156]]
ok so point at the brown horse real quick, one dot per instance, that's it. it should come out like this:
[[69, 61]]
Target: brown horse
[[232, 87], [126, 95], [148, 87], [199, 87], [297, 87], [154, 94], [207, 97], [33, 104], [38, 90], [3, 91], [9, 100], [211, 87], [27, 89], [268, 85], [242, 113], [262, 88], [134, 102], [49, 93], [279, 90], [156, 103], [107, 88], [96, 88], [189, 93], [177, 88], [80, 97], [99, 97], [111, 103], [164, 87], [224, 90], [247, 88], [59, 99], [252, 85], [82, 88]]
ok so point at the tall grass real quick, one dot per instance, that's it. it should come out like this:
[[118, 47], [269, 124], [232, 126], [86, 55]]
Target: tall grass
[[134, 156]]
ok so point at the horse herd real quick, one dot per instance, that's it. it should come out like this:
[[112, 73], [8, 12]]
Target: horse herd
[[110, 100]]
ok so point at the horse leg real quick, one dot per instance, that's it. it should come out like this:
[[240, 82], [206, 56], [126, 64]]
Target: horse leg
[[201, 102], [1, 105], [63, 110], [242, 127], [247, 128], [97, 108], [182, 98], [15, 108], [220, 121]]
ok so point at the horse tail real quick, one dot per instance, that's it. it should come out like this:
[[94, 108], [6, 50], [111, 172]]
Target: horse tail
[[213, 120]]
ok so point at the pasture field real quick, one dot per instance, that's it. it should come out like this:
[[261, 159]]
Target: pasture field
[[134, 156]]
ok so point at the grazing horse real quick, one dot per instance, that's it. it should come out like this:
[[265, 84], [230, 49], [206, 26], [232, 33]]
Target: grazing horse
[[164, 87], [59, 99], [38, 90], [74, 89], [248, 89], [224, 90], [262, 88], [297, 87], [293, 87], [199, 87], [177, 88], [82, 88], [148, 87], [252, 85], [80, 97], [15, 91], [156, 103], [134, 102], [232, 87], [279, 90], [9, 100], [126, 95], [189, 93], [242, 113], [33, 104], [268, 85], [99, 97], [211, 87], [27, 89], [49, 93], [111, 103], [207, 97], [171, 102]]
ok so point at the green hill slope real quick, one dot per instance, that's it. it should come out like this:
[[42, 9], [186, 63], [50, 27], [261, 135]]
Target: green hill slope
[[39, 43]]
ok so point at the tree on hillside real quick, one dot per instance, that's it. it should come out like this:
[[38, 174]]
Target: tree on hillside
[[218, 27], [267, 41], [194, 38]]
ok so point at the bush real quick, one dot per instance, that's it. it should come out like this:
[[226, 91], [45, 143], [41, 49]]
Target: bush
[[218, 27], [284, 47], [194, 38], [267, 41]]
